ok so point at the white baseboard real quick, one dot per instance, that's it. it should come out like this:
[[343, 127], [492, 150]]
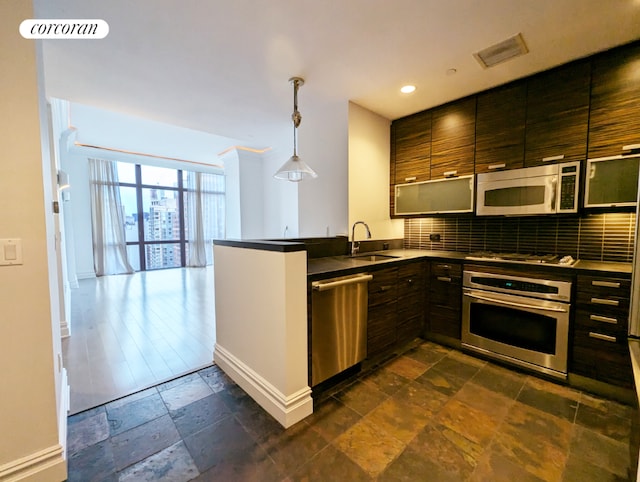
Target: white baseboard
[[45, 465], [86, 275], [286, 409], [50, 464]]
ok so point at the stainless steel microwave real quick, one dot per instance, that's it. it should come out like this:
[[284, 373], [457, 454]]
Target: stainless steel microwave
[[551, 189]]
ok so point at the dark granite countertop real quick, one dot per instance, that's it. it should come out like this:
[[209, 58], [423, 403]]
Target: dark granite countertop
[[262, 244], [328, 267]]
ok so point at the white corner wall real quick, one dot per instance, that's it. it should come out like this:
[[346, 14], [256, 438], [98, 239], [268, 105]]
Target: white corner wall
[[369, 177], [322, 202], [261, 327], [33, 402]]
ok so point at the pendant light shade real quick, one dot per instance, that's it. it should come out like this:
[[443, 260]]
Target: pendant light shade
[[295, 169]]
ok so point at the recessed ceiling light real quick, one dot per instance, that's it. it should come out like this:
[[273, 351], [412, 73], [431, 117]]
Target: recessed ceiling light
[[408, 89]]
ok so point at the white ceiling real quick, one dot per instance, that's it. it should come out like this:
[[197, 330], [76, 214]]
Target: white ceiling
[[223, 66]]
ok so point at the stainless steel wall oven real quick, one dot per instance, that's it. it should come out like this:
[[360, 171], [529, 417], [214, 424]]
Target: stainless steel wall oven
[[522, 321]]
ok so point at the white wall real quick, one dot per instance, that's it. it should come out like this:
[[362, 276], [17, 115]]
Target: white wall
[[369, 147], [280, 197], [116, 130], [32, 405], [78, 214], [323, 145]]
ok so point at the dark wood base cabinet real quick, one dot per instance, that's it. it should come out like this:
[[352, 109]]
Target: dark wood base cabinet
[[444, 316], [600, 350], [396, 307]]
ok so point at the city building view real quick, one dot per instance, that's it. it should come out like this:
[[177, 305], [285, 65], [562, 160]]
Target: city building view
[[155, 206]]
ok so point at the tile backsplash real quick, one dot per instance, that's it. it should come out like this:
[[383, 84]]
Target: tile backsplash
[[603, 236]]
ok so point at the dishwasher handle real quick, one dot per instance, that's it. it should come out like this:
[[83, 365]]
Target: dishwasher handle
[[328, 285]]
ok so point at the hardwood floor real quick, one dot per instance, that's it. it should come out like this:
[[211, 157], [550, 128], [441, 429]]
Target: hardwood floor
[[130, 332]]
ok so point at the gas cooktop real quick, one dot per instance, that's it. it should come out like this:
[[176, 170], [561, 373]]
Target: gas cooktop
[[553, 259]]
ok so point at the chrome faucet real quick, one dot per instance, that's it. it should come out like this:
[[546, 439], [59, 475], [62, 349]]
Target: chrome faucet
[[355, 246]]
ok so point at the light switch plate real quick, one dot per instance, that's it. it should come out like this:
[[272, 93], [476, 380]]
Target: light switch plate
[[10, 252]]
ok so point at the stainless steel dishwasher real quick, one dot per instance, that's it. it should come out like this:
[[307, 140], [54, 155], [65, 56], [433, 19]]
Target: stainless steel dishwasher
[[338, 325]]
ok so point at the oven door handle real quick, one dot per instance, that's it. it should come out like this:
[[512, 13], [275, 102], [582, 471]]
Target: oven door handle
[[513, 303]]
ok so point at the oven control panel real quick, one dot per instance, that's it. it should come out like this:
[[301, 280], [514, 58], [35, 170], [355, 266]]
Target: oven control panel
[[514, 285], [506, 283]]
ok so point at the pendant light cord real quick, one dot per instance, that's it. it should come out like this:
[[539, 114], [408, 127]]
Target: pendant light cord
[[296, 117]]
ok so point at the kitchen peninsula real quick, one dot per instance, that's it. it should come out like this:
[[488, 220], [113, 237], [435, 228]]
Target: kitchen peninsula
[[262, 311]]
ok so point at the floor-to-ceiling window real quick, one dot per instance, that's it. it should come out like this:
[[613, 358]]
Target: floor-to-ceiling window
[[155, 200]]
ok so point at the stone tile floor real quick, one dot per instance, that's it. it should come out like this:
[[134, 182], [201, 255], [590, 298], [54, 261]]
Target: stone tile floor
[[430, 413]]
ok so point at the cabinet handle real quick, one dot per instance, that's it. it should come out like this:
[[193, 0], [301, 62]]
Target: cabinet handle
[[410, 281], [604, 319], [602, 301], [451, 173], [385, 288], [630, 147], [607, 284], [600, 336], [497, 166], [409, 179], [444, 278], [553, 158]]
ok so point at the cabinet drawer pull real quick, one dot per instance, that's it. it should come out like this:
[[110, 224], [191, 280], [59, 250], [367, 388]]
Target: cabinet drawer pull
[[604, 319], [553, 158], [630, 147], [451, 173], [606, 284], [446, 279], [409, 179], [497, 166], [600, 336], [602, 301]]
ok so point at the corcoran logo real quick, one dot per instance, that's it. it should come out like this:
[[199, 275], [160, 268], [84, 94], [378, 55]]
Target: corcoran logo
[[64, 28]]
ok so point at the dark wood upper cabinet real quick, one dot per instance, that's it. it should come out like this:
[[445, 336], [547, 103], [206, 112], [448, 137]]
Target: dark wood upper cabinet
[[453, 132], [615, 101], [411, 138], [558, 115], [500, 128]]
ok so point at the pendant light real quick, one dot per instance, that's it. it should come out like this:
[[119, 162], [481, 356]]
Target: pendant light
[[295, 169]]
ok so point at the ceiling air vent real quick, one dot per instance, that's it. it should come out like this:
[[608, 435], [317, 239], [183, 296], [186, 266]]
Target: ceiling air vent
[[505, 50]]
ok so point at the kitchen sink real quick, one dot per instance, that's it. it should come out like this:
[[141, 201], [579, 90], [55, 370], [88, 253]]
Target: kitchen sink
[[373, 257]]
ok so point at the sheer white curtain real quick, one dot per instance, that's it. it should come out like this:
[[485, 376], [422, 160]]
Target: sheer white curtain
[[107, 220], [205, 215]]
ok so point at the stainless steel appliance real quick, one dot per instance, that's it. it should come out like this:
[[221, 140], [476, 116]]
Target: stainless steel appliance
[[523, 321], [553, 259], [551, 189], [338, 325]]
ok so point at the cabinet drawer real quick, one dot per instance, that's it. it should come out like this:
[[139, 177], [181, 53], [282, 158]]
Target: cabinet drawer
[[603, 295], [382, 288], [600, 339], [453, 270], [600, 286], [607, 323]]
